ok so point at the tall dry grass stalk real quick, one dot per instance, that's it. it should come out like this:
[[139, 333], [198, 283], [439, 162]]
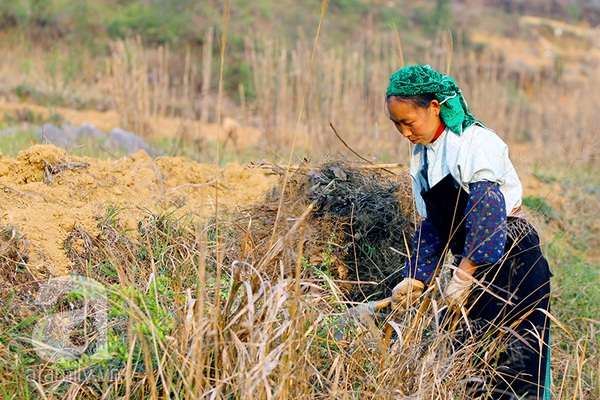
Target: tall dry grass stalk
[[206, 75], [349, 84], [128, 71], [345, 86], [147, 85]]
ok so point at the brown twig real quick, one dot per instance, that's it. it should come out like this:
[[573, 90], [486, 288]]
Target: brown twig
[[354, 152], [346, 144], [281, 167]]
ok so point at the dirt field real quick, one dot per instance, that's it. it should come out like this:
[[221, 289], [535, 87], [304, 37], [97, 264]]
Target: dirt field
[[45, 194]]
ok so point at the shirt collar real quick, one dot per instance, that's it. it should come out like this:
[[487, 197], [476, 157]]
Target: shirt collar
[[439, 132], [438, 138]]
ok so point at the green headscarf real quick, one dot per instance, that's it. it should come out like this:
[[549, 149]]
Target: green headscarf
[[415, 80]]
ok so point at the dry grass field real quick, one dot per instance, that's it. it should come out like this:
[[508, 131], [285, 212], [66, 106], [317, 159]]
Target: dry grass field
[[223, 267]]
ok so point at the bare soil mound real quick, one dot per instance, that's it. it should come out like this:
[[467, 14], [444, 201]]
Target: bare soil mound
[[339, 221], [46, 195]]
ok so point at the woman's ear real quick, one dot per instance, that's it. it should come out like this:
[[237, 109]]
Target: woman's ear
[[436, 106]]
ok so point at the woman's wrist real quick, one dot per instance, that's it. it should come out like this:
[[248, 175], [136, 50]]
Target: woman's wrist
[[465, 269]]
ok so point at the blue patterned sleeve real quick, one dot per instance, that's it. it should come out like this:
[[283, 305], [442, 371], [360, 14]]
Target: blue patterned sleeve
[[426, 252], [485, 223]]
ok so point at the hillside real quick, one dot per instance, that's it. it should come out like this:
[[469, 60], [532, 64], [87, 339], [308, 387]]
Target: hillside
[[55, 54]]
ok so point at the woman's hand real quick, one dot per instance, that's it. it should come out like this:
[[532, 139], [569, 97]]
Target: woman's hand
[[406, 293], [458, 289]]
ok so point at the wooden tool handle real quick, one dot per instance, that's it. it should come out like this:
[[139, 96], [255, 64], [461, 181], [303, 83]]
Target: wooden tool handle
[[383, 303]]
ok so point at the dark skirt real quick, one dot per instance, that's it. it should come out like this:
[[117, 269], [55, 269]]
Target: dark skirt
[[517, 312]]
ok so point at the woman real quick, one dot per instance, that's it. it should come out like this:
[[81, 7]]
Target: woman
[[469, 195]]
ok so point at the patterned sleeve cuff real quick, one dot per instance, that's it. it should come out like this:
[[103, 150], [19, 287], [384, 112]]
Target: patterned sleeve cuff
[[485, 223]]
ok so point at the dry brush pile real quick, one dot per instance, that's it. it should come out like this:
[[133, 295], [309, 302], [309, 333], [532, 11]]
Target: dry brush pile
[[358, 222]]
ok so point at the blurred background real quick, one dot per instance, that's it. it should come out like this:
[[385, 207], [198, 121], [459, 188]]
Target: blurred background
[[258, 77]]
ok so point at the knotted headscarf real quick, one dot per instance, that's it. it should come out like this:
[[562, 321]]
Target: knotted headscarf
[[415, 80]]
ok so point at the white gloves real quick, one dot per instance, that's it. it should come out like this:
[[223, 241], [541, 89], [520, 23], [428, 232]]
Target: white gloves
[[457, 291], [406, 293]]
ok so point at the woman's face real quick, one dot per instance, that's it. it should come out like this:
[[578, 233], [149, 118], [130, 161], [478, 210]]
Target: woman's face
[[417, 124]]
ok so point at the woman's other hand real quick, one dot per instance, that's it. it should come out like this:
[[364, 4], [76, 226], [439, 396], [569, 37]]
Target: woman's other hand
[[457, 291], [406, 293]]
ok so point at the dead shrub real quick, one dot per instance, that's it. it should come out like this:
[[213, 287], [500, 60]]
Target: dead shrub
[[357, 233]]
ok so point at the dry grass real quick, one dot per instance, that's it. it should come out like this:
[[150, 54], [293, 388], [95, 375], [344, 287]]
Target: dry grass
[[185, 324], [259, 334], [268, 326], [298, 95], [300, 89], [139, 83]]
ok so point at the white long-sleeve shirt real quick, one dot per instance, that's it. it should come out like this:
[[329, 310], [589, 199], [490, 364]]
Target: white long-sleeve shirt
[[477, 154]]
